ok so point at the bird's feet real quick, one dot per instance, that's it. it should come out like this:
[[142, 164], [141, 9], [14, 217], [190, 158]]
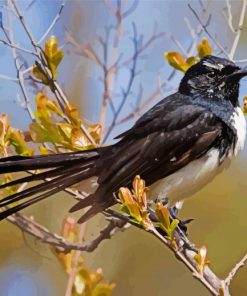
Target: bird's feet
[[174, 211], [182, 223]]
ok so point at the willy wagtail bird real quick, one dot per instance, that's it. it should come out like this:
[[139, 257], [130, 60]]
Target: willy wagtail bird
[[178, 146]]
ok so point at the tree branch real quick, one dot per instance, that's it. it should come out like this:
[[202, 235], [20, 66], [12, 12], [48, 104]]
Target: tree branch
[[234, 271], [53, 23], [216, 42], [41, 233], [238, 31]]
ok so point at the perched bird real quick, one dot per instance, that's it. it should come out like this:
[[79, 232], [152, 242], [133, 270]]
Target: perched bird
[[178, 146]]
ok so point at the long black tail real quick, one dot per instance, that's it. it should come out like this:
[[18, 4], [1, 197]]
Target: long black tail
[[64, 170]]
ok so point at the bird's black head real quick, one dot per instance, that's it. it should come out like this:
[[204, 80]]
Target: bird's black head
[[213, 78]]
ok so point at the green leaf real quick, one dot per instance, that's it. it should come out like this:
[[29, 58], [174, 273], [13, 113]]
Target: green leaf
[[53, 55], [176, 60], [39, 74], [57, 58], [18, 142], [204, 48], [163, 215], [174, 224], [103, 289]]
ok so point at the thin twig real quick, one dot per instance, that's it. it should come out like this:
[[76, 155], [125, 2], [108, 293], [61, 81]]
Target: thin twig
[[20, 77], [129, 86], [238, 31], [18, 47], [234, 271], [229, 15], [41, 233], [75, 261], [60, 96], [53, 23], [8, 78], [207, 32], [111, 71]]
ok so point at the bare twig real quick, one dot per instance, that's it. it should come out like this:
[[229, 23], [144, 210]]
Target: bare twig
[[238, 31], [8, 78], [75, 261], [129, 86], [229, 16], [18, 47], [110, 71], [53, 23], [20, 77], [216, 42], [41, 233], [234, 271], [60, 96], [145, 45]]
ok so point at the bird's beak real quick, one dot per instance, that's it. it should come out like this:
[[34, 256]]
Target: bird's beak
[[237, 75]]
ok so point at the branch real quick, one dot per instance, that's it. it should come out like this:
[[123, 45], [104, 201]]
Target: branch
[[17, 47], [138, 109], [229, 16], [183, 252], [8, 78], [129, 86], [75, 260], [53, 23], [20, 77], [151, 39], [41, 233], [110, 72], [216, 42], [55, 88], [239, 30], [234, 271]]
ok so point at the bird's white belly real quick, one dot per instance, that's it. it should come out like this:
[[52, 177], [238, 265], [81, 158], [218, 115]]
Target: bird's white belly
[[194, 176], [191, 178]]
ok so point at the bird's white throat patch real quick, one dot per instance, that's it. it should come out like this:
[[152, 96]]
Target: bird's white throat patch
[[238, 121]]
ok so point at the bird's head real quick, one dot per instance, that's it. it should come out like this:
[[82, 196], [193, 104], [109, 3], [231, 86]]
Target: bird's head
[[214, 78]]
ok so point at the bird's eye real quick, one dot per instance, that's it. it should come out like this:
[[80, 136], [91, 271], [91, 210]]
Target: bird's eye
[[211, 74], [228, 70]]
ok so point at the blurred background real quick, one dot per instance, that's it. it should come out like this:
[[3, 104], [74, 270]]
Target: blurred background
[[137, 263]]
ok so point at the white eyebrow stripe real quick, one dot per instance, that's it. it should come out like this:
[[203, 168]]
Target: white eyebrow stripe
[[213, 66]]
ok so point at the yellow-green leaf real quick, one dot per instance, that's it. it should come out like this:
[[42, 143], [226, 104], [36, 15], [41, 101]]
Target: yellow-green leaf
[[39, 74], [18, 142], [78, 139], [245, 105], [5, 131], [139, 189], [204, 48], [103, 289], [51, 46], [57, 58], [73, 114], [191, 61], [95, 131], [163, 215], [125, 196], [53, 55], [176, 60], [174, 225]]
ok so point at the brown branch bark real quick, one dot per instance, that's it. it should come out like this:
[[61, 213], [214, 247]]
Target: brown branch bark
[[41, 233]]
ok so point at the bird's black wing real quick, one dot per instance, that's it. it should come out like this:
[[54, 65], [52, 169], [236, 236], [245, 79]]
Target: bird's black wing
[[165, 139]]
